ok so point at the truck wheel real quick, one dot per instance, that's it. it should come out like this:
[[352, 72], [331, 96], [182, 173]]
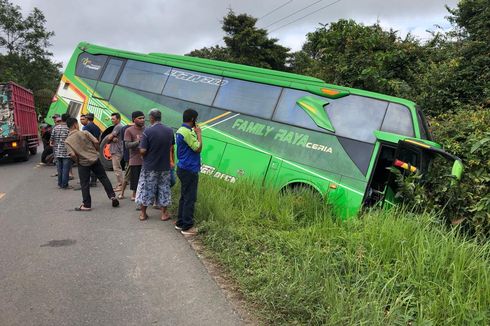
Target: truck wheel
[[23, 155], [105, 154], [33, 150]]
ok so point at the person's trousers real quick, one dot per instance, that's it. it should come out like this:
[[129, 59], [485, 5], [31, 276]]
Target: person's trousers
[[93, 179], [188, 197], [116, 166], [84, 174], [63, 165]]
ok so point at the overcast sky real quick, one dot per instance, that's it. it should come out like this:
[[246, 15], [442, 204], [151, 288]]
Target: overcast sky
[[177, 27]]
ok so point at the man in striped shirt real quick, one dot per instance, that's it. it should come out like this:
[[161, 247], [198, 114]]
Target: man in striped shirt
[[63, 160]]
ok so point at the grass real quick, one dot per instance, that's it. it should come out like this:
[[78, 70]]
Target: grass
[[300, 265]]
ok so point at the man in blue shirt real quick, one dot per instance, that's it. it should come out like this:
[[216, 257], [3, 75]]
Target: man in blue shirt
[[156, 146], [87, 120], [189, 146]]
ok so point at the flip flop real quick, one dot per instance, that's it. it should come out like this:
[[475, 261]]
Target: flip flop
[[120, 196], [144, 218], [166, 218], [82, 209]]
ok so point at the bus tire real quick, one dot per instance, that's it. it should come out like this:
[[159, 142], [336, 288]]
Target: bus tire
[[104, 154], [299, 189]]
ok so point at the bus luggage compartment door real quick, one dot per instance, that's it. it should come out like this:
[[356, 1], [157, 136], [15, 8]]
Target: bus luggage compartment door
[[243, 163]]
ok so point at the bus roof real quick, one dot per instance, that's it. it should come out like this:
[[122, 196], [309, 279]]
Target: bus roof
[[227, 69]]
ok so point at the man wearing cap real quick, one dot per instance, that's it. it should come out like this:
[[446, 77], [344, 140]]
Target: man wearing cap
[[132, 138]]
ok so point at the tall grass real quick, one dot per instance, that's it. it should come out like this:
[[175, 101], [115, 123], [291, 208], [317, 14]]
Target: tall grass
[[300, 265]]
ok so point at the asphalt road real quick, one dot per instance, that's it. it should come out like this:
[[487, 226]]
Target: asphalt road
[[104, 267]]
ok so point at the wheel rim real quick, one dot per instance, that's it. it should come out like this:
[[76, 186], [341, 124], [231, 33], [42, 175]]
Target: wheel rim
[[107, 152]]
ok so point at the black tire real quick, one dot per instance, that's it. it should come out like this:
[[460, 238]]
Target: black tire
[[105, 157], [33, 150], [23, 156]]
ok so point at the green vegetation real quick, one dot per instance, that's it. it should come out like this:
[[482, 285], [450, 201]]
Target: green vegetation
[[298, 265], [467, 135], [27, 60]]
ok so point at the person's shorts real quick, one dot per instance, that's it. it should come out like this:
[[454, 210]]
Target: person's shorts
[[154, 189], [127, 174]]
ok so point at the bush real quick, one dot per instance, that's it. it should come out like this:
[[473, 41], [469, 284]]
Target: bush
[[465, 134]]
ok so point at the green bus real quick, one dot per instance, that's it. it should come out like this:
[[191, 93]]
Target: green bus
[[279, 129]]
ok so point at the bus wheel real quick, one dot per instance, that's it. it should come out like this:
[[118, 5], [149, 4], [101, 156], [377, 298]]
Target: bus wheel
[[305, 198], [105, 154]]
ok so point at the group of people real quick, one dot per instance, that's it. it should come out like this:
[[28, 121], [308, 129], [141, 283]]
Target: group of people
[[148, 153]]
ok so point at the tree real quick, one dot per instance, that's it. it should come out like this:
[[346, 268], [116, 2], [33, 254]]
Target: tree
[[246, 44], [367, 57], [27, 60], [214, 52]]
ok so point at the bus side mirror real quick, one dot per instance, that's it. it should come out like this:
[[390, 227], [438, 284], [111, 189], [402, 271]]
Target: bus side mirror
[[457, 169], [314, 107]]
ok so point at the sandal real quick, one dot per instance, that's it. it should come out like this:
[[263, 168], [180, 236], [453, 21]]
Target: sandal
[[143, 218], [166, 218], [120, 196], [82, 209]]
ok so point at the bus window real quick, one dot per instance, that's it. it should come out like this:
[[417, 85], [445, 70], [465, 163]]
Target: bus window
[[192, 86], [246, 97], [289, 112], [424, 128], [144, 76], [356, 117], [398, 120], [111, 71], [90, 66], [104, 86]]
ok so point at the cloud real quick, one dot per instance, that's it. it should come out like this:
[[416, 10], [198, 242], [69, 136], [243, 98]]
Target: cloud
[[178, 27]]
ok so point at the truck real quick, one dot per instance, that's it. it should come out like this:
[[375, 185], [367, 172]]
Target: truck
[[19, 135]]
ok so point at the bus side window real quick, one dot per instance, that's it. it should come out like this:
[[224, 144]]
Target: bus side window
[[104, 86], [289, 112], [398, 120], [111, 70], [90, 66], [356, 117], [192, 86], [144, 76], [247, 97]]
